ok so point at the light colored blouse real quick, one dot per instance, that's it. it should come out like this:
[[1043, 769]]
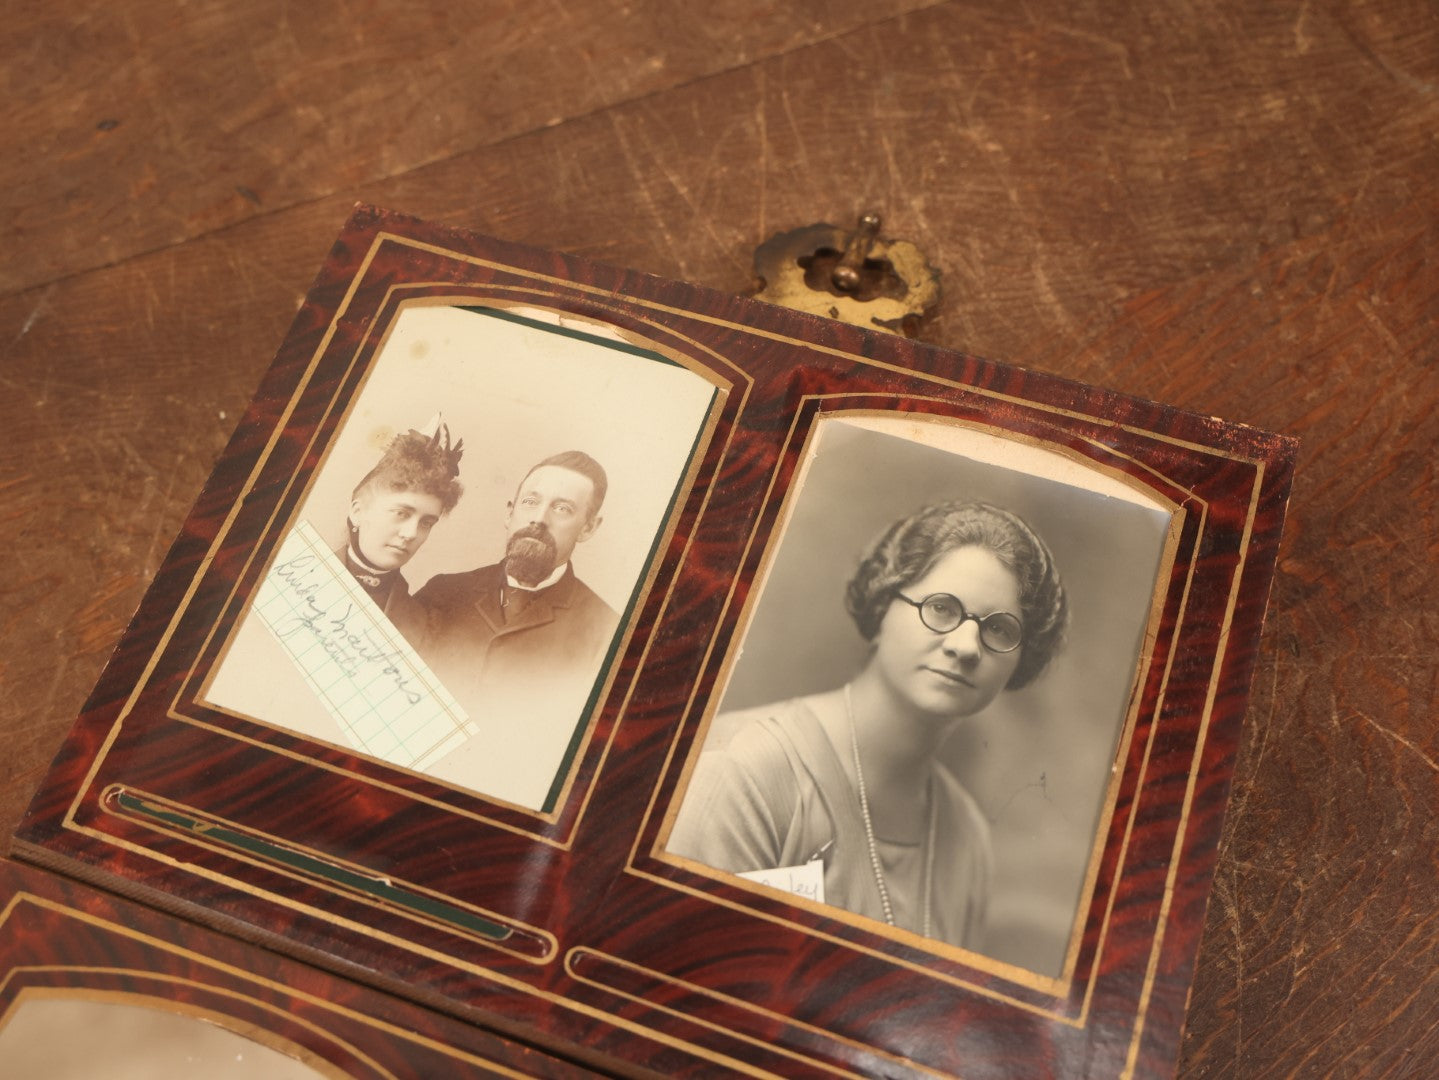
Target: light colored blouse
[[776, 795]]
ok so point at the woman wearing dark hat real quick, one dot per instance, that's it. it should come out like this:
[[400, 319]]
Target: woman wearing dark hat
[[959, 602], [392, 511]]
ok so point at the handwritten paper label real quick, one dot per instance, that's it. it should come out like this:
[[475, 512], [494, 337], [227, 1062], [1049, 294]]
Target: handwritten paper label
[[805, 879], [374, 684]]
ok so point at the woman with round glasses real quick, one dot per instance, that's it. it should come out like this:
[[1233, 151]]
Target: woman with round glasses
[[959, 602]]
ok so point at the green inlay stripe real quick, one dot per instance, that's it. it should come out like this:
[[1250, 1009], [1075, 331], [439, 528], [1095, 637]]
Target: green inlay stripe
[[376, 887]]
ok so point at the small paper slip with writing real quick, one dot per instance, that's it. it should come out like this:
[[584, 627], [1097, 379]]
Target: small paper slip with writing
[[374, 684], [805, 879]]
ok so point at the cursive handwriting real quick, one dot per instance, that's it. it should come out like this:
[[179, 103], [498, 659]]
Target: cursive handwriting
[[358, 653]]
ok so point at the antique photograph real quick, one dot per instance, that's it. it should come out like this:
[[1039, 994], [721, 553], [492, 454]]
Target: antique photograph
[[459, 573], [932, 677]]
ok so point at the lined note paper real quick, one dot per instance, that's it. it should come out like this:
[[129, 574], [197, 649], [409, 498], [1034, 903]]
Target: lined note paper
[[386, 700]]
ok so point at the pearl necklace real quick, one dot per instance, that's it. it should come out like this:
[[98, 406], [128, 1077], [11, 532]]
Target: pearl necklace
[[927, 854]]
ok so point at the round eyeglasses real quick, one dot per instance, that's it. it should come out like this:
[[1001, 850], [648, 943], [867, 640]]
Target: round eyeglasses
[[1000, 631]]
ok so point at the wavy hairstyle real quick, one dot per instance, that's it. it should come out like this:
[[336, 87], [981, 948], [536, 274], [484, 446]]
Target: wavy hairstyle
[[912, 545]]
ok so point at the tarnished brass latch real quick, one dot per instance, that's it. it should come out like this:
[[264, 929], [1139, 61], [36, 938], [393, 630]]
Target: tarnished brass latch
[[856, 276]]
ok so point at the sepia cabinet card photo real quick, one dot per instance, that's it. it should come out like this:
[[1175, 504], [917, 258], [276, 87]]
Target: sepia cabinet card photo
[[460, 670]]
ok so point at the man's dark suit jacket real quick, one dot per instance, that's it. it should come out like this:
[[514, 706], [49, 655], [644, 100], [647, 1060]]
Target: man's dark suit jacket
[[549, 653]]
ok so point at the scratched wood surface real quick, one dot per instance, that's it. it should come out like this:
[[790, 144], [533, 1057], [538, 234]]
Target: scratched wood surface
[[1225, 206]]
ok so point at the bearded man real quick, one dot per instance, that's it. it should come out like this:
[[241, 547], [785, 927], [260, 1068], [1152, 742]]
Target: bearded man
[[525, 637]]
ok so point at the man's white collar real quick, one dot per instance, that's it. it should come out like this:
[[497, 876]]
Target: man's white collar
[[559, 572]]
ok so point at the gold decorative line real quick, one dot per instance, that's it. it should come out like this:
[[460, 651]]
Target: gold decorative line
[[173, 711], [1064, 982], [1007, 972], [70, 822], [727, 999], [1220, 653], [1179, 516], [198, 838], [1143, 772], [561, 285], [630, 303], [710, 646], [556, 1000], [103, 752], [1030, 980], [371, 781], [232, 1024], [664, 608], [1142, 671], [239, 973], [320, 915], [10, 906], [687, 485], [828, 350], [478, 294]]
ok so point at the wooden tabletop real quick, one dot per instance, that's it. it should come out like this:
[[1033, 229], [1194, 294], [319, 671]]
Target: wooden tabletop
[[1226, 206]]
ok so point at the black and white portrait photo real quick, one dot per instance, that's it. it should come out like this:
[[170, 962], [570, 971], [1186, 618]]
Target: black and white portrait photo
[[458, 575], [932, 678]]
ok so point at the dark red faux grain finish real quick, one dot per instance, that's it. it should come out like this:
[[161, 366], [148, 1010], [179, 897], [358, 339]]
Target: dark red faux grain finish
[[59, 938], [614, 944]]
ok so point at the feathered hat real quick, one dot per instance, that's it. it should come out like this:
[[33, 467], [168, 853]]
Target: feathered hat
[[421, 460]]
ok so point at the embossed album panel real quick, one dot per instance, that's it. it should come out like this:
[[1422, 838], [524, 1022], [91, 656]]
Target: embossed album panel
[[620, 664]]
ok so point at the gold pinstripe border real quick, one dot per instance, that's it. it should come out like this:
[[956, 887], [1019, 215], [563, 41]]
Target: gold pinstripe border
[[198, 839], [561, 287], [174, 710], [1051, 987], [24, 898]]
